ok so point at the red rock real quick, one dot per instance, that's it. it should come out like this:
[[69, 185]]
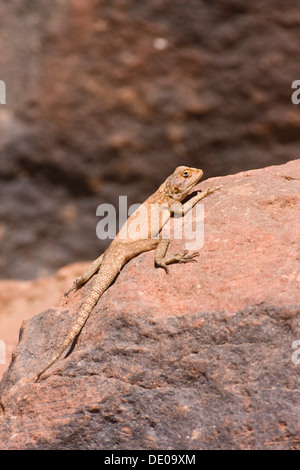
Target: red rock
[[197, 359], [19, 300]]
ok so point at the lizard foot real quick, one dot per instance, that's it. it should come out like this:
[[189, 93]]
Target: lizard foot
[[184, 257], [177, 258], [210, 191], [75, 286], [161, 264]]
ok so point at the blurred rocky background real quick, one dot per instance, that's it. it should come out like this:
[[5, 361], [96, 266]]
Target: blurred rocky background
[[106, 97]]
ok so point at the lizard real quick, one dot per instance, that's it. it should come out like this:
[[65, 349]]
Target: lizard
[[161, 205]]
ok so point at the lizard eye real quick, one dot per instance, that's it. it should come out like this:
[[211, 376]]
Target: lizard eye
[[186, 174]]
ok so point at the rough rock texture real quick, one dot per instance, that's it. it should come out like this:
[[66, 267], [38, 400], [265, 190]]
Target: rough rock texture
[[106, 97], [19, 300], [197, 359]]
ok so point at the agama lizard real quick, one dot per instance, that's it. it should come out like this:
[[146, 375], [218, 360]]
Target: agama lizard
[[125, 246]]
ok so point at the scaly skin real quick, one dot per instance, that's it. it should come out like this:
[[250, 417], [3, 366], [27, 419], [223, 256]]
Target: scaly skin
[[153, 215]]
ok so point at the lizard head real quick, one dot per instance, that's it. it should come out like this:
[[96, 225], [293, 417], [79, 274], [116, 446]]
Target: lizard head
[[179, 184]]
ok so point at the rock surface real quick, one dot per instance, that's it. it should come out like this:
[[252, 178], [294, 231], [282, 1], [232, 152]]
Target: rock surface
[[20, 300], [108, 97], [201, 358]]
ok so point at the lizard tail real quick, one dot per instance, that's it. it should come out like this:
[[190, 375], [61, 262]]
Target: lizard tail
[[75, 330]]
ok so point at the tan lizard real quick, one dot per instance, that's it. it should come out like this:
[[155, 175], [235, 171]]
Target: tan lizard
[[125, 246]]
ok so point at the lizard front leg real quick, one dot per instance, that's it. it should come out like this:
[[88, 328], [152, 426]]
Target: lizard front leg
[[91, 270], [181, 209], [162, 261]]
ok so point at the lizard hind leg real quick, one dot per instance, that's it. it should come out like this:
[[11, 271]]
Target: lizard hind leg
[[91, 270]]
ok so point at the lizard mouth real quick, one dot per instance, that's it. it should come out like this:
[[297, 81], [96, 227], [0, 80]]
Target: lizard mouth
[[196, 180], [190, 189]]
